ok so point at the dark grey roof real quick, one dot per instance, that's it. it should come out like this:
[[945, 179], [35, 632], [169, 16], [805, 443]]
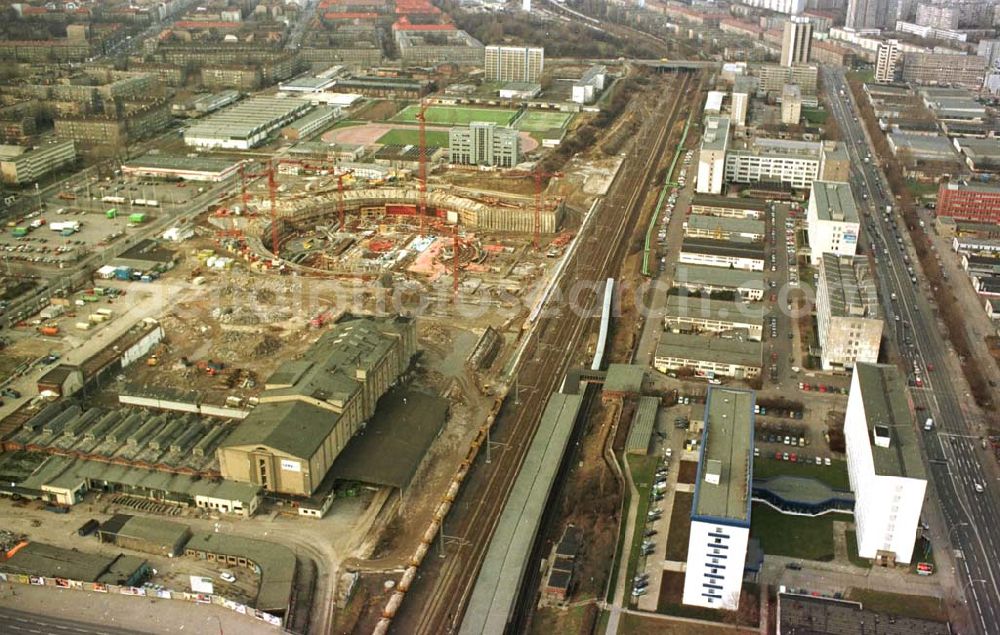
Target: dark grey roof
[[812, 615], [723, 248], [276, 563], [884, 396]]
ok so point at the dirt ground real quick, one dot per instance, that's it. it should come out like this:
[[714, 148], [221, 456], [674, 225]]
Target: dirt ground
[[687, 472]]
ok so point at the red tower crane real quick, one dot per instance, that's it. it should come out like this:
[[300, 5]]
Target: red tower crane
[[272, 186], [332, 167], [539, 176], [422, 163]]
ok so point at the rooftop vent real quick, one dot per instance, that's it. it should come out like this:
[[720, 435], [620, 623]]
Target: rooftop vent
[[713, 471], [881, 434]]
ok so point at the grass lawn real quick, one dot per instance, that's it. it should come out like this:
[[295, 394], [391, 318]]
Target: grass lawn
[[921, 190], [918, 606], [834, 475], [792, 536], [643, 468], [680, 527], [632, 624], [405, 136], [553, 620], [815, 115], [455, 115], [852, 551], [534, 121]]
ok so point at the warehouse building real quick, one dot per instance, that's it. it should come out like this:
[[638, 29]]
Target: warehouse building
[[801, 613], [720, 513], [40, 560], [847, 314], [720, 253], [245, 125], [311, 408], [484, 144], [20, 165], [708, 356], [727, 207], [319, 119], [884, 464], [744, 284], [163, 166], [143, 533], [832, 220], [740, 230], [683, 314]]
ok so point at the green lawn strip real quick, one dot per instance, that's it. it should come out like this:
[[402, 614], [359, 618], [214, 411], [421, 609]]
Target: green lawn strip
[[834, 475], [643, 468], [455, 116], [680, 527], [852, 551], [917, 606], [808, 538], [406, 136]]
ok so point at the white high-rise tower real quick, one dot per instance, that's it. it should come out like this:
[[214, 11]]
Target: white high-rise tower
[[526, 5]]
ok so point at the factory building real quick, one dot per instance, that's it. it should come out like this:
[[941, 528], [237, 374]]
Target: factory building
[[741, 230], [832, 220], [312, 407], [884, 464], [850, 329], [720, 513], [162, 166], [708, 356], [245, 125], [514, 63], [20, 165], [720, 253], [744, 284], [485, 144], [712, 155], [701, 315]]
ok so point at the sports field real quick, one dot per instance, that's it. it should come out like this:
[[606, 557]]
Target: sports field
[[535, 121], [407, 136], [455, 115]]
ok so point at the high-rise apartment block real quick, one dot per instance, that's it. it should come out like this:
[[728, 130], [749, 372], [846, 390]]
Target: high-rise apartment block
[[514, 63], [796, 42], [886, 61]]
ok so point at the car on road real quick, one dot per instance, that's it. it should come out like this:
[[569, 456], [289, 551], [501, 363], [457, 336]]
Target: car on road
[[979, 487], [227, 576], [794, 566]]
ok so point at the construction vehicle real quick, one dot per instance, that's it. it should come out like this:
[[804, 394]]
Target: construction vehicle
[[66, 196]]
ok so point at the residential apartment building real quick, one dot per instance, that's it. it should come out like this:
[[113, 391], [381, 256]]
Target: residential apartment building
[[683, 314], [787, 162], [847, 312], [937, 16], [944, 68], [708, 355], [712, 155], [721, 253], [791, 7], [970, 202], [796, 41], [740, 101], [485, 144], [514, 63], [870, 14], [832, 220], [744, 285], [887, 60], [773, 77], [884, 464], [720, 513], [791, 105], [135, 120], [20, 165]]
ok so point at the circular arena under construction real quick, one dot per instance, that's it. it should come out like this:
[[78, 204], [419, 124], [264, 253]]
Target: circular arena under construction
[[374, 231]]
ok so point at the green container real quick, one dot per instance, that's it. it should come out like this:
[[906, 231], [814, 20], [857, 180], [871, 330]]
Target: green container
[[137, 218], [111, 213]]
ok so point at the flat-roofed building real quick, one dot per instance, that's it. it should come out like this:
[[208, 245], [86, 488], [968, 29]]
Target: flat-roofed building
[[744, 284], [486, 144], [712, 155], [741, 230], [944, 68], [980, 155], [773, 77], [847, 312], [311, 408], [800, 613], [683, 314], [317, 120], [708, 356], [977, 202], [887, 61], [832, 220], [20, 165], [720, 253], [720, 513], [728, 207], [791, 104], [163, 166], [884, 464], [514, 63], [246, 124], [781, 161]]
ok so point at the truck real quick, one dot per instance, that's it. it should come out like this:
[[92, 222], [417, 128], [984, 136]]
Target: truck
[[138, 217], [111, 213], [123, 273], [106, 312], [97, 318], [83, 326], [19, 232], [72, 225], [929, 424]]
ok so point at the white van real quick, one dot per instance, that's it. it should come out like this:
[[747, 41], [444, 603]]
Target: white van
[[929, 424]]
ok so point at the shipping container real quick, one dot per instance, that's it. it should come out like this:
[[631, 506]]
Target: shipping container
[[49, 330], [107, 312], [123, 273], [88, 527], [83, 326], [137, 218], [112, 213]]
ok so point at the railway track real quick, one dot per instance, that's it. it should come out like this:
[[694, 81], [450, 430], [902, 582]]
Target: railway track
[[435, 604]]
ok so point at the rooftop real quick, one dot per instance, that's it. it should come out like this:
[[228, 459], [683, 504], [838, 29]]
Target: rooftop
[[169, 162], [722, 490], [643, 422], [716, 135], [154, 531], [248, 118], [685, 306], [624, 378], [805, 613], [737, 226], [710, 349], [922, 146], [48, 561], [723, 248], [710, 200], [781, 148], [718, 277], [833, 202], [275, 561], [850, 286], [883, 394], [980, 149]]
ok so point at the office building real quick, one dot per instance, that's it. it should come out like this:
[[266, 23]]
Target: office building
[[728, 207], [884, 464], [847, 312], [887, 60], [740, 230], [720, 513], [944, 68], [793, 163], [832, 220], [708, 355], [486, 144], [722, 253], [712, 155], [796, 41], [514, 63], [773, 77], [312, 407], [791, 105], [20, 165], [683, 314], [870, 14], [969, 202]]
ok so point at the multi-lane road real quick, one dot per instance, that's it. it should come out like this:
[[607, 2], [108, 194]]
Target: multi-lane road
[[956, 462]]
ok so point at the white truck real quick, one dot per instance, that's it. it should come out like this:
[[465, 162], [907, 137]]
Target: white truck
[[929, 424]]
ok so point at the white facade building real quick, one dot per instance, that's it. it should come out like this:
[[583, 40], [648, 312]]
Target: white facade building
[[722, 253], [884, 463], [832, 220], [720, 513], [796, 41], [794, 163], [486, 144], [712, 155], [792, 7], [514, 63], [847, 315], [887, 60]]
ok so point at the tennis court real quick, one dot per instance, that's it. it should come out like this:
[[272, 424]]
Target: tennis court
[[535, 121]]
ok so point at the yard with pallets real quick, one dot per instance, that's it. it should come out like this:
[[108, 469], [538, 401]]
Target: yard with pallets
[[455, 115]]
